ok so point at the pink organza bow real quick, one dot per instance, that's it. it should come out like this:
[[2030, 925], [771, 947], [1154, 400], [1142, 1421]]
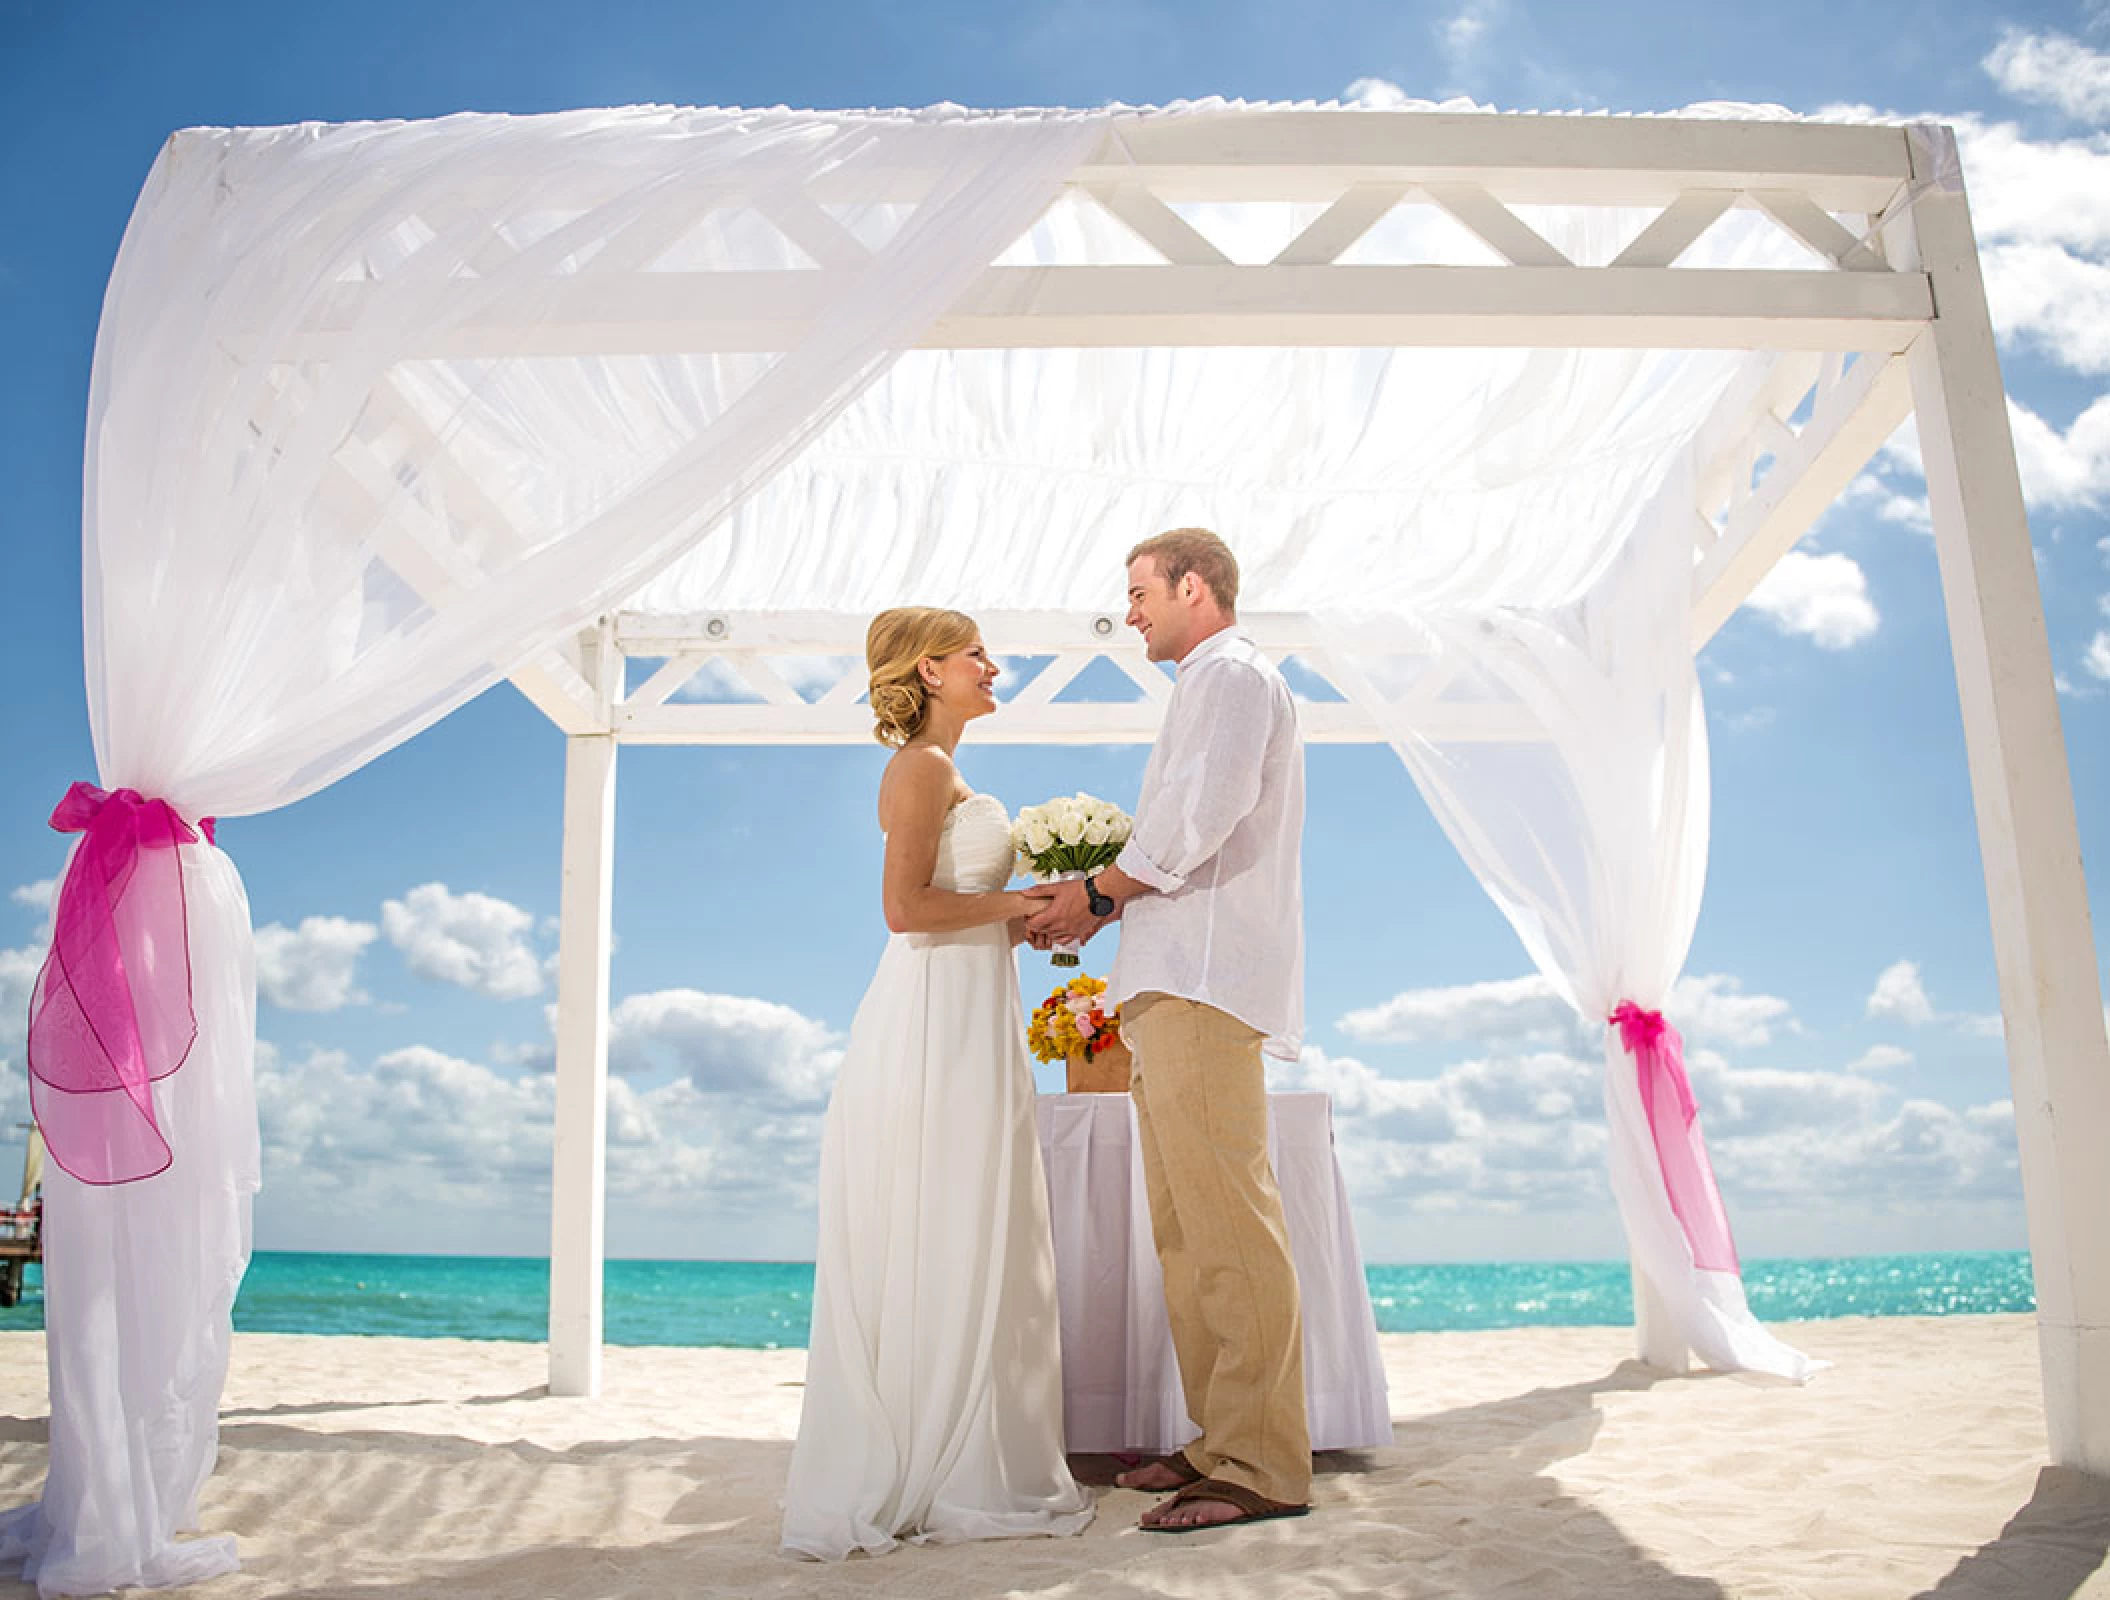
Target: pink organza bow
[[112, 1012], [1681, 1152]]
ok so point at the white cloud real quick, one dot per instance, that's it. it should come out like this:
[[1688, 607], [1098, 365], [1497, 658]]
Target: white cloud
[[1521, 1134], [1460, 34], [2063, 470], [2053, 69], [722, 1043], [1881, 1058], [1820, 597], [2060, 471], [1856, 1156], [474, 940], [1768, 1101], [18, 975], [1508, 1009], [2097, 657], [459, 1152], [1527, 1011], [1376, 93], [37, 896], [1714, 1006], [2058, 303], [313, 967], [1871, 491], [1506, 1134], [1899, 995]]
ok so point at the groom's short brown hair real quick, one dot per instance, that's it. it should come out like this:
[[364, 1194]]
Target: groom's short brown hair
[[1195, 550]]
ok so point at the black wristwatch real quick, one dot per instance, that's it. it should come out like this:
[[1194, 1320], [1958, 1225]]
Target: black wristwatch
[[1102, 905]]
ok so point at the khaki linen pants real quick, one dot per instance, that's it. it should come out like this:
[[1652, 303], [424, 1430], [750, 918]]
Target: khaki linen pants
[[1230, 1286]]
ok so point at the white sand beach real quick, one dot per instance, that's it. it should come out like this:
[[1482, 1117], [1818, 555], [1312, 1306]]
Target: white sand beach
[[1535, 1463]]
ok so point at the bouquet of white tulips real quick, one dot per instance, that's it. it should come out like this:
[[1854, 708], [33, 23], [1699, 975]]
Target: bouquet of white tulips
[[1067, 838]]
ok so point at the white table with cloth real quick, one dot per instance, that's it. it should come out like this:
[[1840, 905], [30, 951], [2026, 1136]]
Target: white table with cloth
[[1120, 1379]]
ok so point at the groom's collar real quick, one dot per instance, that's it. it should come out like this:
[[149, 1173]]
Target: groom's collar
[[1211, 645]]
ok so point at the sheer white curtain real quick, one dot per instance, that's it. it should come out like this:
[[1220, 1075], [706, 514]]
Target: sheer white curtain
[[1578, 795], [346, 468], [1407, 479]]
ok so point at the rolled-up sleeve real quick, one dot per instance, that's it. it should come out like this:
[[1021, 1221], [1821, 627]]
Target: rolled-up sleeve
[[1208, 777]]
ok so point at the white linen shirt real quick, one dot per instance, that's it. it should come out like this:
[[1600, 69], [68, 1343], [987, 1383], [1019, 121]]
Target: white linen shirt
[[1219, 829]]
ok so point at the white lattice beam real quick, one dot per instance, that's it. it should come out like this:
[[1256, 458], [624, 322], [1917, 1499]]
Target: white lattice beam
[[666, 313], [1336, 228], [1498, 227], [1113, 722], [1818, 229], [1849, 424], [747, 641], [1532, 160], [425, 554], [1676, 228], [1171, 235]]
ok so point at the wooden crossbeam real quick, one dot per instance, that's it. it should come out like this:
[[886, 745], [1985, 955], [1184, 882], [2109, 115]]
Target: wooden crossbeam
[[1498, 227], [1020, 307], [1330, 233], [1156, 224], [796, 215], [1817, 228], [662, 686], [1676, 228], [422, 552], [1533, 160], [1108, 723], [1849, 425]]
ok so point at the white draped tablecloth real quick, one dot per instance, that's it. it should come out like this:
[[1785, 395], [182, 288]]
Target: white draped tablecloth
[[1120, 1380]]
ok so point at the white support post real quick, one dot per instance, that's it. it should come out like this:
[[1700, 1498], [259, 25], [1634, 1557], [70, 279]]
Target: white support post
[[578, 1189], [2050, 995]]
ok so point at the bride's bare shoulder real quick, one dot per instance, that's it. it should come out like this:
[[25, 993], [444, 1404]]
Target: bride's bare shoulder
[[920, 783]]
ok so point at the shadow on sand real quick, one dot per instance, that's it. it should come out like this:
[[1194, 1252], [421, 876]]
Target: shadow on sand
[[1460, 1506], [2048, 1549]]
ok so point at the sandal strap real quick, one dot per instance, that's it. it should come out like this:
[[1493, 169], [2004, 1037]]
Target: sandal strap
[[1249, 1501]]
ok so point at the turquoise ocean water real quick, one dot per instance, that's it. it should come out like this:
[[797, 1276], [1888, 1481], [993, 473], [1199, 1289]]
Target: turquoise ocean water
[[767, 1304]]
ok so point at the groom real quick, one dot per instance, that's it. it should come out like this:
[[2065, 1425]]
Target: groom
[[1210, 969]]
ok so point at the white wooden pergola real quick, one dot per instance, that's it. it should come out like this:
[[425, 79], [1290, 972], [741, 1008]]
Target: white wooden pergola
[[1888, 319]]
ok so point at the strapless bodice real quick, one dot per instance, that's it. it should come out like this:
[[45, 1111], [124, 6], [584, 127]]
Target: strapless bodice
[[974, 847]]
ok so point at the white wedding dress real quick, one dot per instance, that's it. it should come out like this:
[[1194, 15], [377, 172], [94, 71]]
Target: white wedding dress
[[933, 1408]]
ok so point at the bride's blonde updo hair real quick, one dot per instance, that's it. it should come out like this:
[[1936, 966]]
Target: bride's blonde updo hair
[[895, 644]]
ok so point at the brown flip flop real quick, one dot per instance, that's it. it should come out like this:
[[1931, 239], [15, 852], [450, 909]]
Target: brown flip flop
[[1177, 1462], [1251, 1507]]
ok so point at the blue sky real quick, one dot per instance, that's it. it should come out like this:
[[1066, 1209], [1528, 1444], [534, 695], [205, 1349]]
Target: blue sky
[[1842, 989]]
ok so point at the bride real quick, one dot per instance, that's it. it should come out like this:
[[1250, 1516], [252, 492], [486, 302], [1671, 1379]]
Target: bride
[[933, 1405]]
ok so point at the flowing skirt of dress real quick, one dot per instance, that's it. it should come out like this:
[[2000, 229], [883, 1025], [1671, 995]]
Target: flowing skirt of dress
[[933, 1404]]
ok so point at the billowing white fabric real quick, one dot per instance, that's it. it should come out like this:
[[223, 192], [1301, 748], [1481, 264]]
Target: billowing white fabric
[[1401, 481], [139, 1285], [1121, 1381], [308, 536], [1589, 830], [933, 1403], [311, 530]]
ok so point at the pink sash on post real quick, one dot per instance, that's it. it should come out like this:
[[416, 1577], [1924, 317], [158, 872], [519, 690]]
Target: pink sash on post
[[1681, 1153], [112, 1012]]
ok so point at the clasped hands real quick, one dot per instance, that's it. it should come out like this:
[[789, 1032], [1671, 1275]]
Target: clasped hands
[[1064, 913]]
